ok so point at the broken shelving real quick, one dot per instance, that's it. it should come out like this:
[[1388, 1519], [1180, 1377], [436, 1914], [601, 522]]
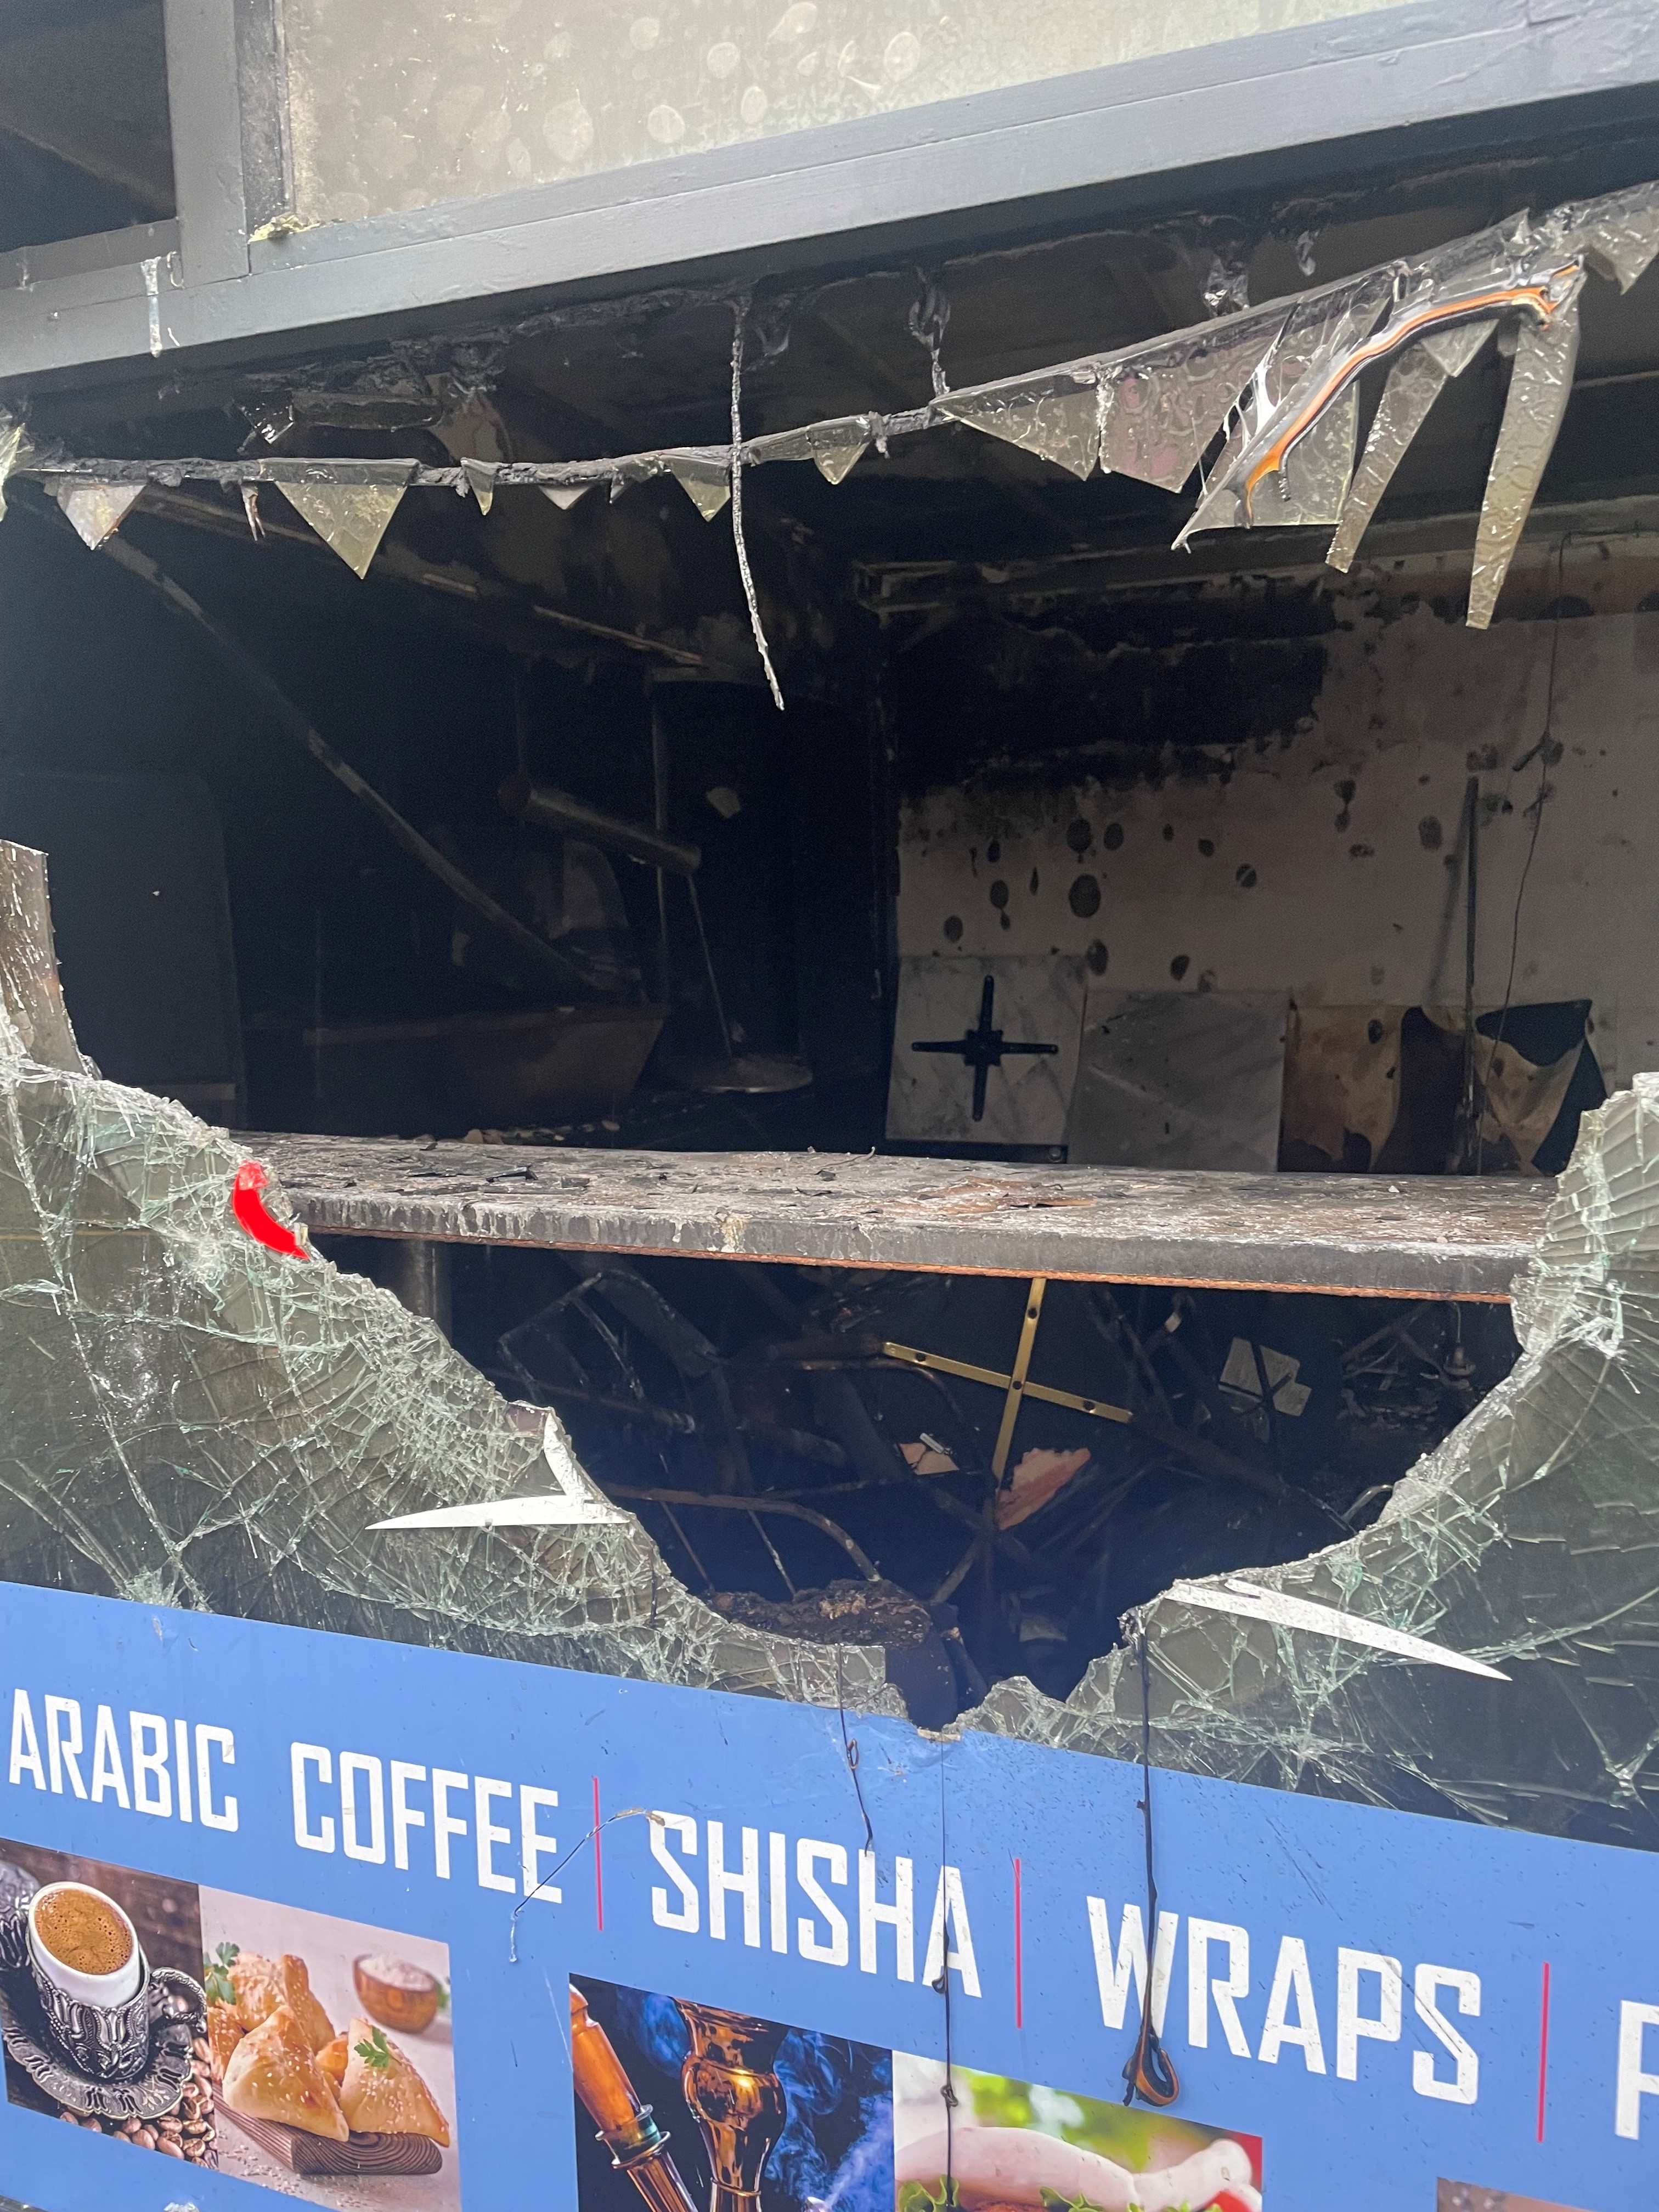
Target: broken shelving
[[1426, 1236]]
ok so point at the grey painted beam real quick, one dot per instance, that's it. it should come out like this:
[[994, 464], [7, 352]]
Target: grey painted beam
[[207, 145], [1426, 1237], [1384, 71]]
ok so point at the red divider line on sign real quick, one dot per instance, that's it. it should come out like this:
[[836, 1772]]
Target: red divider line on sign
[[1543, 2050], [599, 1863], [1019, 1955]]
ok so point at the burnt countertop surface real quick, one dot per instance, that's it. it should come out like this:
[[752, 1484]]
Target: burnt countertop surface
[[1422, 1236]]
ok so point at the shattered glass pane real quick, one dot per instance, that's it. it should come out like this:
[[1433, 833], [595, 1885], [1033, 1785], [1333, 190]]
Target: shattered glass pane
[[188, 1418], [352, 518], [1523, 1540], [1061, 425], [1540, 384], [95, 509], [29, 989]]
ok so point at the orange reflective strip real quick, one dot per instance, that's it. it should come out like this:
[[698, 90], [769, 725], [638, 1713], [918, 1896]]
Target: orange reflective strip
[[1535, 296]]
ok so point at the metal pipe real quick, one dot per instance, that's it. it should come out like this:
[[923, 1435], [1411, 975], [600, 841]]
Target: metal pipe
[[659, 819], [292, 724], [416, 1272], [1468, 1112], [553, 808], [860, 1559]]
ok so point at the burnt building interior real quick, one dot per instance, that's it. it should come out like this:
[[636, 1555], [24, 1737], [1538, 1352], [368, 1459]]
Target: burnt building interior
[[978, 1062]]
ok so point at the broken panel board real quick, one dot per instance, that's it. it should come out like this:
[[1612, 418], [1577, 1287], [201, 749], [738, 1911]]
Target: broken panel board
[[985, 1051], [708, 1951], [1440, 1237], [1179, 1079]]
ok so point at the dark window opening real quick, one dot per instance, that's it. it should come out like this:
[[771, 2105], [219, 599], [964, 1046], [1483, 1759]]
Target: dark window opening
[[85, 144]]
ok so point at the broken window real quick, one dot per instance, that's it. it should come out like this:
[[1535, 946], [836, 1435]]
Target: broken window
[[847, 1180]]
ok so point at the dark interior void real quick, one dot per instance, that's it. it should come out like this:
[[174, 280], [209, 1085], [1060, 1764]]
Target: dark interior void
[[84, 137], [220, 902], [717, 1400]]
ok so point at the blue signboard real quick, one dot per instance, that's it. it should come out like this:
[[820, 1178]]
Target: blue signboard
[[368, 1924]]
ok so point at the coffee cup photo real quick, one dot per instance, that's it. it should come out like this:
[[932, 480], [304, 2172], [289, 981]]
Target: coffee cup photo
[[82, 1943]]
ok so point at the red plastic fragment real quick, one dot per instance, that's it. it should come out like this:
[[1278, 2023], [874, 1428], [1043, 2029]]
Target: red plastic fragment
[[250, 1210]]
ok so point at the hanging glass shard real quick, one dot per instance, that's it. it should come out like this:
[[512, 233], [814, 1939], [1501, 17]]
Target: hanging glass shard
[[1454, 348], [1415, 382], [835, 462], [1540, 386], [11, 443], [706, 482], [1312, 362], [251, 508], [1319, 468], [564, 496], [97, 510], [1621, 242], [1060, 422], [1159, 412], [479, 478], [352, 518], [1443, 303], [835, 446]]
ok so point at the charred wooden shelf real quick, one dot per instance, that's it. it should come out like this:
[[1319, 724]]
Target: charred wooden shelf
[[1428, 1236]]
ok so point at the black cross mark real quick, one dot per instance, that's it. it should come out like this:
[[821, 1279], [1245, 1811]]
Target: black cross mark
[[983, 1049]]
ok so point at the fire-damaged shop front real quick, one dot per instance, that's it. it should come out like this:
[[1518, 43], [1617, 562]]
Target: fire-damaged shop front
[[826, 1011]]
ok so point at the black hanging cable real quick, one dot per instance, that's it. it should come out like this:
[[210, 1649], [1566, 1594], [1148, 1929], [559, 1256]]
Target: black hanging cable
[[942, 1986], [1149, 2073], [850, 1746]]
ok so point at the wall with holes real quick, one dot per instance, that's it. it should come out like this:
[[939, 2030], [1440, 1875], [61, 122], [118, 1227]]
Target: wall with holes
[[1325, 856]]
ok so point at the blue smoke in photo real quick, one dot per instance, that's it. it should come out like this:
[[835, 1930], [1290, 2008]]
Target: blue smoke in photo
[[835, 2153], [656, 2026], [834, 2090]]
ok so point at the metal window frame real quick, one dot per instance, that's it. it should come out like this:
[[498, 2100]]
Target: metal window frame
[[1315, 92]]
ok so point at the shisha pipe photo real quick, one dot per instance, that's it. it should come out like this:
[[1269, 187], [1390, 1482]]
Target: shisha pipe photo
[[638, 2147]]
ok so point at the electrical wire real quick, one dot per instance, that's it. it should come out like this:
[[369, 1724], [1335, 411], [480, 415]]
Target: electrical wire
[[1149, 2072]]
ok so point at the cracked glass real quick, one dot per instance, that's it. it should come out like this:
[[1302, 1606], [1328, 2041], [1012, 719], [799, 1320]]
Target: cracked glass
[[192, 1419], [1525, 1541]]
